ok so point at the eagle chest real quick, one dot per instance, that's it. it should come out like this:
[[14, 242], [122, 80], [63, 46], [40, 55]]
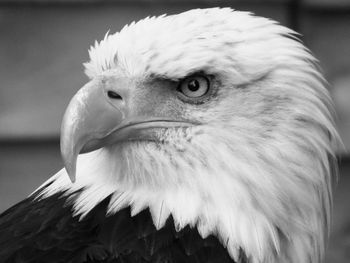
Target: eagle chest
[[57, 236]]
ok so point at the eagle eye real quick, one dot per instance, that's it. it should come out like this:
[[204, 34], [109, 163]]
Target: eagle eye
[[194, 86]]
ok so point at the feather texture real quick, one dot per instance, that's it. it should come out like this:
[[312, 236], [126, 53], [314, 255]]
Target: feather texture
[[46, 231], [257, 173]]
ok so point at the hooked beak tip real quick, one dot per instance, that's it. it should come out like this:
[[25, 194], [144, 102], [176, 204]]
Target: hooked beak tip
[[71, 175], [70, 157], [71, 170]]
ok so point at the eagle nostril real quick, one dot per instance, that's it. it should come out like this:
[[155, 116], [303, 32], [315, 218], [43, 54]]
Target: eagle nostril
[[113, 95]]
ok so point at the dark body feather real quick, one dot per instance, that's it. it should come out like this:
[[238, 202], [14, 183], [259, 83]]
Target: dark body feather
[[45, 231]]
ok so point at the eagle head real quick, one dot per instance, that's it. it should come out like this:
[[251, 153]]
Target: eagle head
[[216, 117]]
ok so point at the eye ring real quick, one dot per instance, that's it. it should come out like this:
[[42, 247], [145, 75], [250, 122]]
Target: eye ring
[[194, 87]]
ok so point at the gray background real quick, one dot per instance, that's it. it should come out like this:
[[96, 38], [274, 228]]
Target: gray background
[[43, 44]]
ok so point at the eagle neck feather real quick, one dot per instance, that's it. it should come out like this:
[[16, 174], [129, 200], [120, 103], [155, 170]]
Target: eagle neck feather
[[261, 202]]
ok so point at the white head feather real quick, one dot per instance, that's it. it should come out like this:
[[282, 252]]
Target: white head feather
[[258, 174]]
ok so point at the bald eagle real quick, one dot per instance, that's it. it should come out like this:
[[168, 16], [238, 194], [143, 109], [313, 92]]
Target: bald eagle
[[206, 136]]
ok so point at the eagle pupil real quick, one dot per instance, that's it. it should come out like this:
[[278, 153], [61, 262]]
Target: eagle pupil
[[193, 85]]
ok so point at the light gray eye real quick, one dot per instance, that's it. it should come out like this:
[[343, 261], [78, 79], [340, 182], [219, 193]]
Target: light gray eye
[[194, 86]]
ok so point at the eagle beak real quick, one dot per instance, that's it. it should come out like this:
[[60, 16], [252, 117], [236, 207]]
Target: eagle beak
[[88, 119], [98, 116]]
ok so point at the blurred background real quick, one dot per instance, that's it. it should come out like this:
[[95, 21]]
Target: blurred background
[[44, 42]]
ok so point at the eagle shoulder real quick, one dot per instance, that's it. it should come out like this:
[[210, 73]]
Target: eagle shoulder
[[45, 230]]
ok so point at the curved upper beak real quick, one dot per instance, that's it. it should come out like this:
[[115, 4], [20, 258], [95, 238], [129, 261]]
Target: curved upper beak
[[88, 118], [93, 119]]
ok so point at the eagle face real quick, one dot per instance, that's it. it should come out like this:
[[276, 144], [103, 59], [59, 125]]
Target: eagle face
[[216, 117]]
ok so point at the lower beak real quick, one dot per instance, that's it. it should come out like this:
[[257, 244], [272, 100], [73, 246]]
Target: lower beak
[[93, 120]]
